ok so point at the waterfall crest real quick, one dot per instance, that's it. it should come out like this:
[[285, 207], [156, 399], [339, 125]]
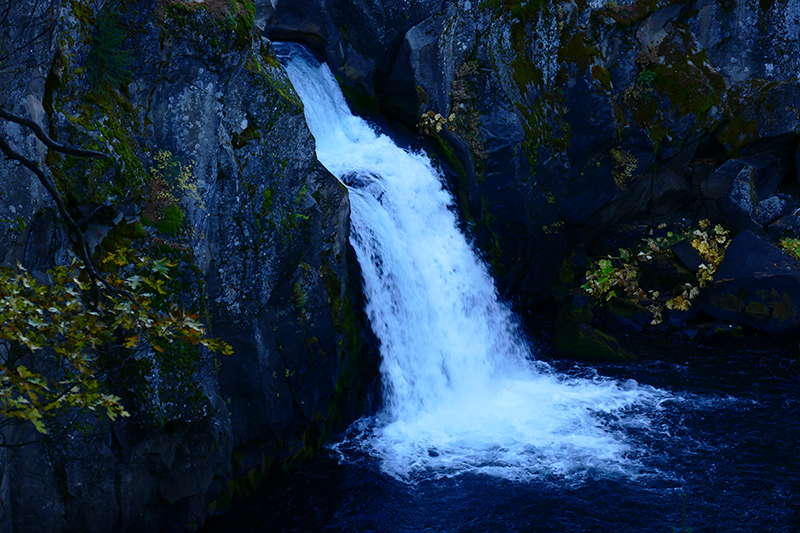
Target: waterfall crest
[[462, 390]]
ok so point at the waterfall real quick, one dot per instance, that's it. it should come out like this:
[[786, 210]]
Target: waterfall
[[462, 390]]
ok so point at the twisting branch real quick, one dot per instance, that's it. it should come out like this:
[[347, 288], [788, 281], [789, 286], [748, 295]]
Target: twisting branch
[[50, 143], [83, 249]]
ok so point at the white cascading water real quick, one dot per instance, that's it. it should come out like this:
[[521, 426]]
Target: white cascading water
[[462, 392]]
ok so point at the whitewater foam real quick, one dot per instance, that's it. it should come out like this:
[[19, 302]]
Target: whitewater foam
[[462, 392]]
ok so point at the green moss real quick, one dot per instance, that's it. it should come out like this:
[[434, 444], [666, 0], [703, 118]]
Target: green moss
[[575, 50], [251, 132], [602, 76], [244, 484], [729, 302], [525, 72], [94, 181], [693, 89], [629, 14], [757, 311], [422, 96], [172, 220], [359, 98], [268, 199], [737, 132], [780, 305], [657, 134], [625, 308], [581, 341], [83, 11], [445, 152], [299, 296]]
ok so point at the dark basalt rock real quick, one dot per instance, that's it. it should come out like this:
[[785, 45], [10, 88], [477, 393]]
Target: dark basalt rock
[[263, 254], [737, 206], [688, 255], [624, 316], [775, 207], [575, 337], [756, 284], [720, 181], [788, 226]]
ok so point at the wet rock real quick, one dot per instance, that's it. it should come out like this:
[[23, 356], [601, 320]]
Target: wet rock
[[762, 115], [720, 334], [775, 207], [664, 273], [688, 255], [574, 337], [736, 207], [625, 316], [715, 185], [771, 168], [757, 285], [581, 341], [788, 226], [685, 335], [669, 189]]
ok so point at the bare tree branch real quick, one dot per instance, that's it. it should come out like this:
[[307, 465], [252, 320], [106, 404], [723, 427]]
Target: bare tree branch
[[39, 22], [50, 143], [83, 249]]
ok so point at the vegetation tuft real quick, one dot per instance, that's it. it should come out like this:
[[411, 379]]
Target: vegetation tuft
[[109, 61]]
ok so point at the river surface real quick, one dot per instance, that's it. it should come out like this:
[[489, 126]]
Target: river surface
[[477, 431], [730, 443]]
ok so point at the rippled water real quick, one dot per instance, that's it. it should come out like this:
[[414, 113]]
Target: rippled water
[[730, 442]]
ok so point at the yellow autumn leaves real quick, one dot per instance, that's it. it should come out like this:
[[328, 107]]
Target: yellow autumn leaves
[[52, 327], [623, 272]]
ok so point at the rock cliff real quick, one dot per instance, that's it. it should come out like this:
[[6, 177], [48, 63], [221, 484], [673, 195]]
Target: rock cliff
[[574, 130], [213, 169], [579, 127]]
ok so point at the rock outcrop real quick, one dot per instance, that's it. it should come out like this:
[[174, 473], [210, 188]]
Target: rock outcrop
[[585, 118], [259, 240], [574, 129]]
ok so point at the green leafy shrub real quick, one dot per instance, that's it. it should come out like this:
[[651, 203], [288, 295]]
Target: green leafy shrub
[[611, 277], [169, 182], [57, 345]]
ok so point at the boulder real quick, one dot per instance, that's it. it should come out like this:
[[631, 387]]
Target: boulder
[[774, 208], [581, 341], [788, 226], [771, 167], [720, 180], [757, 285], [736, 207], [688, 255], [625, 316], [669, 189], [574, 336]]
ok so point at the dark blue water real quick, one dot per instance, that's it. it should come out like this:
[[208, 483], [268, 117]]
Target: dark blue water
[[729, 442]]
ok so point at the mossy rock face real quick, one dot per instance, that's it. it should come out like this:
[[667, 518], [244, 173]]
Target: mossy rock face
[[758, 110], [624, 315], [575, 308], [578, 340], [757, 285]]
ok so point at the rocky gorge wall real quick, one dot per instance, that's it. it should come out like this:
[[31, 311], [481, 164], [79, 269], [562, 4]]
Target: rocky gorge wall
[[573, 129], [213, 169], [576, 129]]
